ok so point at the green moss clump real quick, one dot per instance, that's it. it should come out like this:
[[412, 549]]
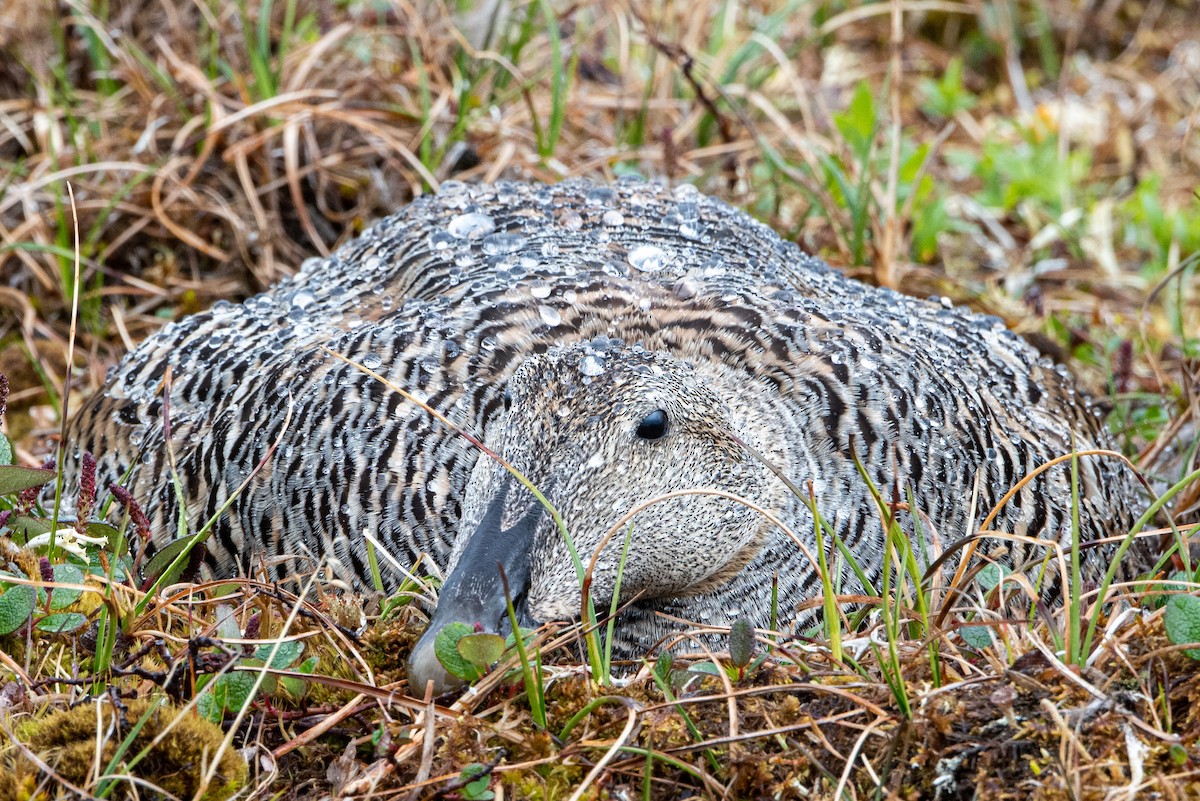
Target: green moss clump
[[177, 763]]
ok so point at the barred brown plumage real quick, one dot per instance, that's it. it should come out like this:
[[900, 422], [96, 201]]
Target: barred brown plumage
[[594, 308]]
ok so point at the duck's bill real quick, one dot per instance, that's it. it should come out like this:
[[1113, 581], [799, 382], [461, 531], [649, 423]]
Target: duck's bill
[[474, 592]]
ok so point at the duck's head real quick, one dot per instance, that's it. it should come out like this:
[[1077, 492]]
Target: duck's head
[[601, 428]]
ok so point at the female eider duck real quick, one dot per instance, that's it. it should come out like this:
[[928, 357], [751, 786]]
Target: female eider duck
[[613, 344]]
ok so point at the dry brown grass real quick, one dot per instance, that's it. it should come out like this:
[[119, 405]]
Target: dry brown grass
[[206, 168]]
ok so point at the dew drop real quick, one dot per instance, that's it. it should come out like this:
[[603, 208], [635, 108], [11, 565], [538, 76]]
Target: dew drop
[[600, 195], [686, 288], [471, 225], [502, 243], [591, 366], [647, 258]]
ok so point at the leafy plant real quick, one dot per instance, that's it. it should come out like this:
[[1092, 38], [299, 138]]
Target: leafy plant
[[466, 652], [469, 653], [946, 96], [1182, 622], [1024, 166], [231, 690], [476, 778], [741, 652]]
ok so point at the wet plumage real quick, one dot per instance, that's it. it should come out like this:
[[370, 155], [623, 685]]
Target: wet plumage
[[586, 310]]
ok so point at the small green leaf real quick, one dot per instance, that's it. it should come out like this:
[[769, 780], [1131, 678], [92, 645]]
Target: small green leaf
[[163, 558], [6, 452], [1179, 754], [991, 575], [481, 650], [741, 642], [62, 622], [228, 692], [978, 637], [663, 665], [1182, 621], [270, 682], [24, 528], [527, 636], [227, 624], [295, 689], [288, 653], [14, 478], [1157, 600], [16, 605], [445, 647], [62, 597], [857, 123], [704, 669], [477, 781]]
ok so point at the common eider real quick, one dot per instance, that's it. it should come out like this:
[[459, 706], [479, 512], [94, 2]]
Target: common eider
[[612, 344]]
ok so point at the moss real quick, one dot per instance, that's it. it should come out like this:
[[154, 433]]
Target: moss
[[177, 763], [387, 644]]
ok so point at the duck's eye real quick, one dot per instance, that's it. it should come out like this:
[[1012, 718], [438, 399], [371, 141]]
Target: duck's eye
[[653, 425]]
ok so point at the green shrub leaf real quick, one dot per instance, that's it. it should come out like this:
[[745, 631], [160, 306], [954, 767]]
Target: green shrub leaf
[[5, 450], [62, 597], [991, 575], [288, 653], [663, 665], [978, 637], [477, 781], [16, 605], [445, 647], [295, 689], [741, 642], [163, 558], [228, 692], [14, 478], [481, 650], [62, 622], [704, 669], [1182, 621]]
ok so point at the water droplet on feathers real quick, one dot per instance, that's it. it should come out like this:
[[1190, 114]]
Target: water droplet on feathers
[[471, 225], [647, 258], [591, 366], [502, 243]]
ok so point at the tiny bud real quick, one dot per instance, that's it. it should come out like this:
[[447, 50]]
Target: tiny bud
[[87, 491]]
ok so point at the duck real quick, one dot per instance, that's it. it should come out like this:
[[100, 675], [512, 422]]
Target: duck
[[521, 383]]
